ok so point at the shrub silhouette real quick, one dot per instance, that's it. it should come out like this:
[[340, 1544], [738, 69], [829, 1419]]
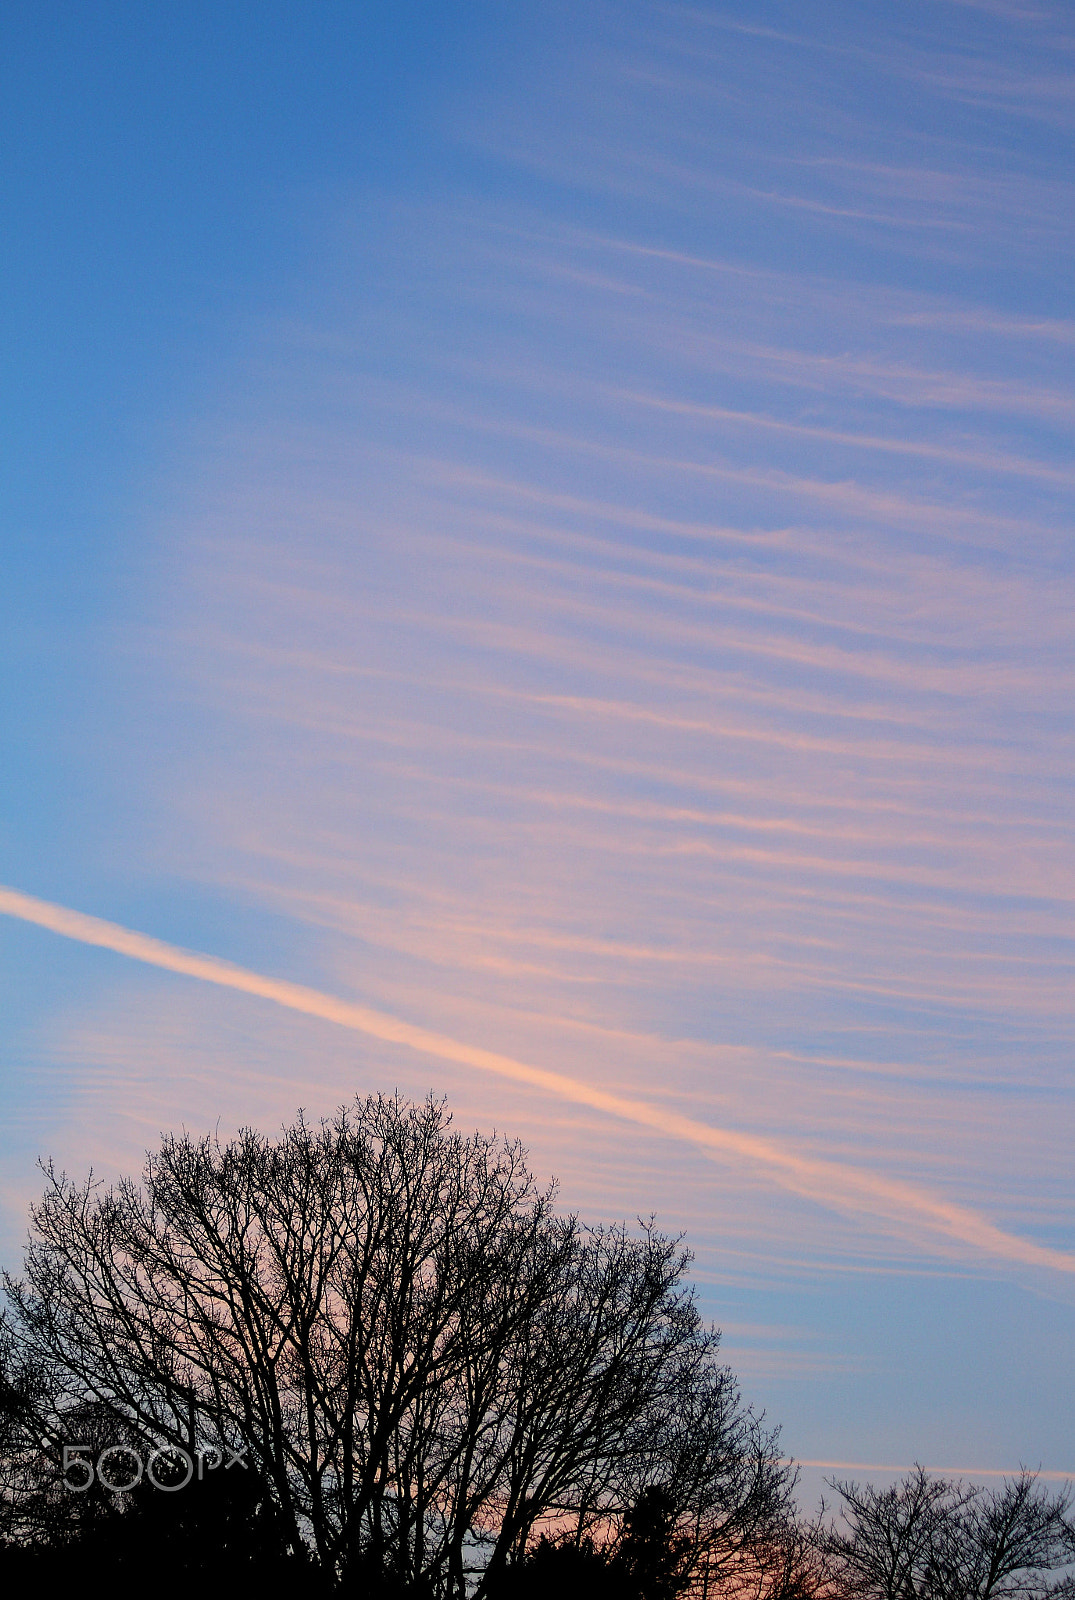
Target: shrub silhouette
[[222, 1533]]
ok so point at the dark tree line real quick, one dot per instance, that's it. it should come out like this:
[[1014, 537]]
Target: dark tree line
[[398, 1370]]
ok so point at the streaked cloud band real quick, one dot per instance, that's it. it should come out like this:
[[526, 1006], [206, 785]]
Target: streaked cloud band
[[910, 1210]]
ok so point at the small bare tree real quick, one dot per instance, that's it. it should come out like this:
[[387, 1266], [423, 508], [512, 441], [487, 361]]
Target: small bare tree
[[1005, 1544], [424, 1361], [929, 1538]]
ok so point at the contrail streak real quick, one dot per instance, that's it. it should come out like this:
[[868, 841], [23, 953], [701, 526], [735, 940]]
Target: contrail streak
[[845, 1188]]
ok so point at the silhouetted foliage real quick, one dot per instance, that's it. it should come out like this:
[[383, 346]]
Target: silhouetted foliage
[[571, 1569], [212, 1534], [646, 1558], [652, 1557]]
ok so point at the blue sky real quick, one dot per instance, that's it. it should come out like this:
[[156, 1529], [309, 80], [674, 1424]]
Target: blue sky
[[551, 526]]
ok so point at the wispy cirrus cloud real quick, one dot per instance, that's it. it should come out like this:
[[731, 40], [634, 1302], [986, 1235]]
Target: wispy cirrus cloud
[[619, 613]]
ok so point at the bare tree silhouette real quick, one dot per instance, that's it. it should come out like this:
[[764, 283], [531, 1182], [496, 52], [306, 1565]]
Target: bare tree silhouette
[[425, 1363]]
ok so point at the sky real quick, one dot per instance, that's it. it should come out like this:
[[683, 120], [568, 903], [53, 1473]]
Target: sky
[[535, 565]]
